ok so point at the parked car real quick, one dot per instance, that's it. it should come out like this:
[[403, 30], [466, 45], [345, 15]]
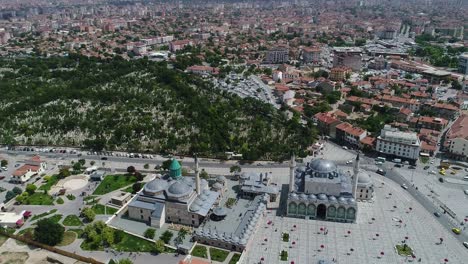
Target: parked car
[[432, 172], [345, 147], [2, 177], [437, 214], [441, 180], [404, 186], [104, 158], [412, 167], [465, 244], [426, 167], [381, 172], [349, 161], [456, 230]]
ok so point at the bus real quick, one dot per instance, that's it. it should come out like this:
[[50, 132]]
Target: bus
[[380, 159]]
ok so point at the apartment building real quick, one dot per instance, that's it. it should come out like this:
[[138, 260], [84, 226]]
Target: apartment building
[[348, 134], [456, 139], [277, 55], [395, 143]]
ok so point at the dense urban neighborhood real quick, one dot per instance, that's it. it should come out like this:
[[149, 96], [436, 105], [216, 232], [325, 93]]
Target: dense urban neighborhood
[[247, 132]]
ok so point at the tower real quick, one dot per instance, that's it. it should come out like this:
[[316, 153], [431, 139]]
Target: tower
[[292, 166], [197, 176], [355, 175]]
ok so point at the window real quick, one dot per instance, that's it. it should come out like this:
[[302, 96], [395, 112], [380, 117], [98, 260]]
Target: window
[[193, 222], [141, 216]]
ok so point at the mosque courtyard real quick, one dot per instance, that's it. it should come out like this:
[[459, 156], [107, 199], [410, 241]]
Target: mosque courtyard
[[393, 217]]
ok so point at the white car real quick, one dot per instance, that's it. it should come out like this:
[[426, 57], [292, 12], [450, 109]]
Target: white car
[[465, 244], [404, 186], [349, 161], [345, 147], [432, 172]]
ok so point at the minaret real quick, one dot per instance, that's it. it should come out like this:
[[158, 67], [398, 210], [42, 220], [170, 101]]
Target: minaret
[[292, 167], [355, 175], [197, 176]]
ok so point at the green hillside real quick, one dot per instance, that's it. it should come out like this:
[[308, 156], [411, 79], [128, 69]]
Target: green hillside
[[136, 106]]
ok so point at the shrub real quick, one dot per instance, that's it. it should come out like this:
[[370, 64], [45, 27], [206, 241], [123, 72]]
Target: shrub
[[88, 214], [17, 190], [59, 200], [150, 233], [9, 195], [166, 236]]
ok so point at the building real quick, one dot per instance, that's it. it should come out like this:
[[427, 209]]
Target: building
[[277, 55], [463, 64], [32, 167], [433, 123], [121, 199], [326, 124], [173, 198], [365, 186], [11, 220], [311, 55], [436, 76], [179, 44], [97, 175], [339, 73], [320, 190], [350, 57], [398, 144], [203, 70], [348, 134], [254, 184], [456, 139]]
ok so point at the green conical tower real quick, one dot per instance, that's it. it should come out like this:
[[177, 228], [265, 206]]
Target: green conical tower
[[175, 170]]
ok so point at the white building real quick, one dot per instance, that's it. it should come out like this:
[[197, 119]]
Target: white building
[[11, 219], [33, 167], [395, 143], [457, 138], [463, 64]]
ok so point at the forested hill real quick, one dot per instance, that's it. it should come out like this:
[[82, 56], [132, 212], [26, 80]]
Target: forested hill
[[136, 106]]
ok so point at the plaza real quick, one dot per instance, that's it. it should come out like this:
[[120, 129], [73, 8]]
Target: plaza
[[377, 230]]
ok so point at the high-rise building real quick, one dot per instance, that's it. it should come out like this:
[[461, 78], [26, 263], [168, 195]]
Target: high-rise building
[[277, 55], [463, 64]]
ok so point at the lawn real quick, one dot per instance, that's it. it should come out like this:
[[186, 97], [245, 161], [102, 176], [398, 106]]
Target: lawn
[[39, 198], [114, 182], [72, 220], [56, 218], [99, 209], [78, 232], [3, 239], [51, 182], [35, 217], [234, 258], [26, 230], [131, 243], [218, 254], [200, 251], [404, 250], [68, 238]]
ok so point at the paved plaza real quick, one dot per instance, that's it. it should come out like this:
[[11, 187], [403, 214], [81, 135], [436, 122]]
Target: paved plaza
[[378, 229]]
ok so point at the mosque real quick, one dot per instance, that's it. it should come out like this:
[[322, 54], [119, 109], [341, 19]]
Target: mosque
[[321, 191], [175, 199]]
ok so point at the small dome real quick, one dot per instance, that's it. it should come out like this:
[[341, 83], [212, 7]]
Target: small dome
[[195, 208], [245, 176], [179, 188], [303, 196], [332, 198], [155, 186], [342, 200], [217, 186], [322, 197], [243, 241], [220, 211], [221, 179], [312, 197], [323, 166], [301, 169], [351, 201], [293, 195], [235, 239], [363, 178]]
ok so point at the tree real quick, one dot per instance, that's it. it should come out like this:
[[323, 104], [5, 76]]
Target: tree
[[88, 214], [159, 246], [146, 166], [17, 190], [48, 232], [139, 176], [31, 188], [9, 195], [166, 164], [166, 236], [136, 187], [63, 173], [131, 169], [149, 233], [204, 174], [108, 235], [235, 169], [125, 261], [4, 163]]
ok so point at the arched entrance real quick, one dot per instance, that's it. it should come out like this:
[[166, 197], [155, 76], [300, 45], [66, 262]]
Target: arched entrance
[[321, 211]]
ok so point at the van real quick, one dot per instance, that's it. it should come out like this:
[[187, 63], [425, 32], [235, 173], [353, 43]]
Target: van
[[397, 160], [465, 178]]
